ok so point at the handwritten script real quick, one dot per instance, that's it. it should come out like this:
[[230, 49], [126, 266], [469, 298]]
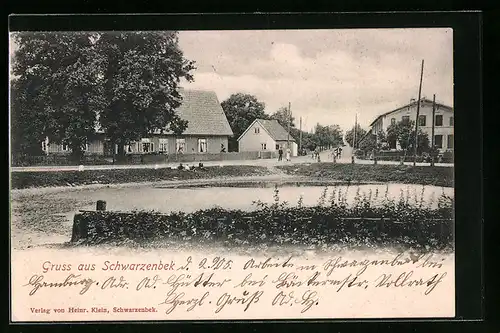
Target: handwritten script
[[238, 287]]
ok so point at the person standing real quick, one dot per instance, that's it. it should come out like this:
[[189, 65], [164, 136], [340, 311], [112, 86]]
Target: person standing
[[280, 154], [288, 154]]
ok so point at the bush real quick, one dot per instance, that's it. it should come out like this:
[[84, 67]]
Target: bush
[[396, 223], [21, 179], [424, 175]]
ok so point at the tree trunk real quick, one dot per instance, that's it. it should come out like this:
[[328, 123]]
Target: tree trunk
[[76, 152]]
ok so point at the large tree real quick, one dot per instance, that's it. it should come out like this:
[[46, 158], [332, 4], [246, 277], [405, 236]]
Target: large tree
[[284, 117], [56, 89], [241, 110], [349, 136], [141, 76], [403, 132], [126, 82], [327, 136]]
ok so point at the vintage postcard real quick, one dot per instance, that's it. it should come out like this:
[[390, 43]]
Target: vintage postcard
[[231, 175]]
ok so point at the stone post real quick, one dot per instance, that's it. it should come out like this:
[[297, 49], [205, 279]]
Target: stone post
[[100, 205]]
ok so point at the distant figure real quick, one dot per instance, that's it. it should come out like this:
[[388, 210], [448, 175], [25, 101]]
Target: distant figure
[[316, 153], [334, 154], [280, 154], [288, 154], [222, 148]]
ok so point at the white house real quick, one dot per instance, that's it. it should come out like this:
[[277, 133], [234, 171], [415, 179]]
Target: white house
[[443, 122], [208, 131], [266, 135]]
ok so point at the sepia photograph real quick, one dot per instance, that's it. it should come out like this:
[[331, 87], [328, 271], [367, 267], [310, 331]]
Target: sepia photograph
[[231, 175]]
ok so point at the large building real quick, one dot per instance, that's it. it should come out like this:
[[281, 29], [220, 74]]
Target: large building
[[266, 135], [208, 130], [443, 122]]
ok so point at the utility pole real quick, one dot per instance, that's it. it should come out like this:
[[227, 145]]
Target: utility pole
[[355, 130], [418, 114], [300, 134], [432, 131]]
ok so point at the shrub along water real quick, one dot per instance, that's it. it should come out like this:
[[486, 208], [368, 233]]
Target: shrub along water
[[423, 175], [407, 222], [116, 176]]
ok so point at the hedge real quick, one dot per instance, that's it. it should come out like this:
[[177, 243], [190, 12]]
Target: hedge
[[394, 223], [22, 179]]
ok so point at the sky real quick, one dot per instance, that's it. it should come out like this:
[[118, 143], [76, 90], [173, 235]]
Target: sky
[[328, 76]]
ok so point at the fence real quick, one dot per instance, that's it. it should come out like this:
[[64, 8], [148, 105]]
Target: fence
[[397, 155], [23, 160]]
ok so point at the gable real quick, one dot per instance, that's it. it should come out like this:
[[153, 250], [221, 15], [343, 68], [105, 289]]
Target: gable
[[204, 114], [271, 127]]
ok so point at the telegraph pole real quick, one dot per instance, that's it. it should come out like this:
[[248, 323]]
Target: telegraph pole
[[300, 134], [289, 120], [355, 130], [432, 131], [418, 114]]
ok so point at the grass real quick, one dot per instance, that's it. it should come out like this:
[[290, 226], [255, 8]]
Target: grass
[[22, 180], [423, 175]]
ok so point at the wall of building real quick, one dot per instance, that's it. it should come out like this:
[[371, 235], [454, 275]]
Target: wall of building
[[293, 146], [254, 138], [191, 144], [97, 145], [94, 146], [446, 130]]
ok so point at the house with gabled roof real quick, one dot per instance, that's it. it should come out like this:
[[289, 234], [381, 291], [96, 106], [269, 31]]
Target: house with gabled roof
[[266, 135], [443, 122], [208, 130]]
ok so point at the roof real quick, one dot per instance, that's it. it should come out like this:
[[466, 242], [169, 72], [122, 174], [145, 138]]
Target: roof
[[423, 100], [204, 113], [273, 128]]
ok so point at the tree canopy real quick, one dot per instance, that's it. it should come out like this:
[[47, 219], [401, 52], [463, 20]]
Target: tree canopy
[[403, 132], [349, 136], [284, 117], [327, 136], [69, 83], [241, 110]]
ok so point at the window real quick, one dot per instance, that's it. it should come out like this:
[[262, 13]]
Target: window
[[65, 146], [422, 120], [438, 141], [202, 145], [45, 145], [452, 121], [180, 145], [277, 147], [263, 146], [406, 119], [392, 144], [439, 120], [451, 142], [147, 147], [393, 121], [257, 130], [163, 145]]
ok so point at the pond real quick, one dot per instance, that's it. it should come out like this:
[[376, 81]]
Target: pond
[[241, 196]]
